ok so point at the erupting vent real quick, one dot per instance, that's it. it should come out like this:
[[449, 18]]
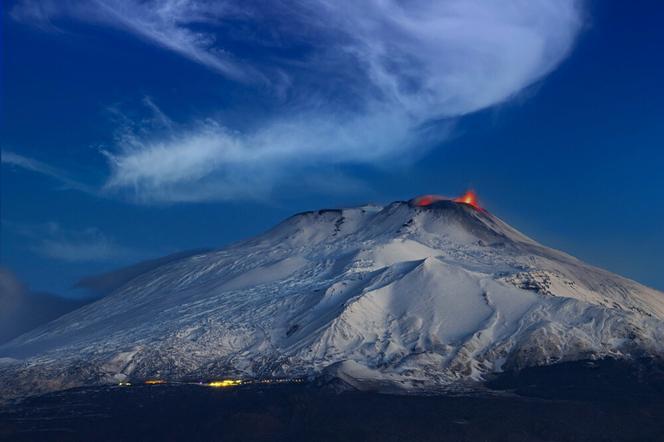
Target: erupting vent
[[470, 198]]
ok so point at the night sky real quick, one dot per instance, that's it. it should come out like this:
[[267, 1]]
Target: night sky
[[132, 130]]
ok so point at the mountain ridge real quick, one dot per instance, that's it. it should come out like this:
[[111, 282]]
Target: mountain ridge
[[417, 297]]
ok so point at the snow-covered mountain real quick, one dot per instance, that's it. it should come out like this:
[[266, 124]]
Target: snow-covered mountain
[[418, 294]]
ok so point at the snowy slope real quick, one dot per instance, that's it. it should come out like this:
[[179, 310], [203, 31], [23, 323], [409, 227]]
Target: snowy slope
[[407, 296]]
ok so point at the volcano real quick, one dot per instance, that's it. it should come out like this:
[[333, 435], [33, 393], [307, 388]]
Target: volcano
[[407, 296]]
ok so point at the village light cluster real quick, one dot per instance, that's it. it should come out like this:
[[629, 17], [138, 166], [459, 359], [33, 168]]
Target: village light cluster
[[223, 383]]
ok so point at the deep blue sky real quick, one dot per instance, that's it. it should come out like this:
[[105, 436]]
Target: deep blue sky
[[574, 160]]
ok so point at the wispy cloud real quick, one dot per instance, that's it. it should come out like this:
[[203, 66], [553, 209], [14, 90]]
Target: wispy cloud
[[51, 240], [165, 23], [209, 161], [15, 160], [22, 310], [87, 246], [374, 82]]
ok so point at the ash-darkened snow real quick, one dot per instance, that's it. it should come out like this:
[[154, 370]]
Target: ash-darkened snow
[[409, 296]]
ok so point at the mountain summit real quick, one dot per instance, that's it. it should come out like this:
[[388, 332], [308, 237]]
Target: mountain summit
[[416, 295]]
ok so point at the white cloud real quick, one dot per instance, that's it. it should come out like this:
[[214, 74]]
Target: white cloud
[[52, 241], [15, 160], [208, 161], [375, 82], [88, 246], [22, 310], [165, 23]]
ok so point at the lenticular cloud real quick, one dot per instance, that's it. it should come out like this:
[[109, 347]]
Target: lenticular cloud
[[351, 82]]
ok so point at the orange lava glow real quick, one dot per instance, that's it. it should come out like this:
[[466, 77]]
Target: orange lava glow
[[469, 198], [427, 200]]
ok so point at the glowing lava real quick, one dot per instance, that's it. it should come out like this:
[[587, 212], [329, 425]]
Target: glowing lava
[[427, 200], [469, 198]]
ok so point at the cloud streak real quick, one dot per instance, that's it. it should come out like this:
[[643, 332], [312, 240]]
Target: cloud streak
[[166, 24], [15, 160], [369, 82], [52, 241], [21, 309]]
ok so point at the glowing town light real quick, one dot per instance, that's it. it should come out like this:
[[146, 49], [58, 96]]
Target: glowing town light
[[155, 382], [225, 383]]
